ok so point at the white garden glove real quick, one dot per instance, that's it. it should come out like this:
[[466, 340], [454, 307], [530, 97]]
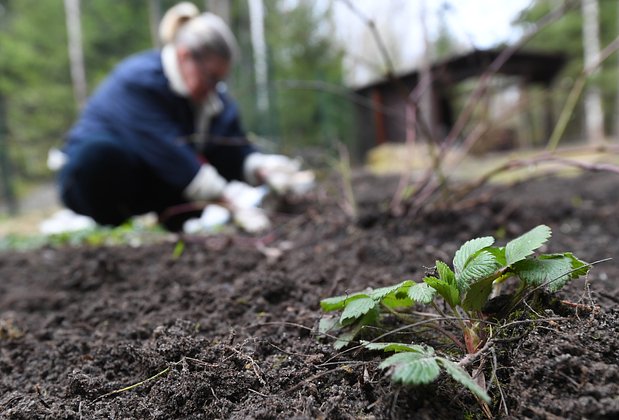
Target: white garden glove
[[251, 219], [243, 200], [56, 159], [213, 218], [206, 185], [241, 195], [281, 173]]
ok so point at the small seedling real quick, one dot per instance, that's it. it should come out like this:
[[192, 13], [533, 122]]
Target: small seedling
[[179, 248], [465, 291]]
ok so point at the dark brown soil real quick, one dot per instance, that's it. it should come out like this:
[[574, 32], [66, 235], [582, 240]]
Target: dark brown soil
[[232, 331]]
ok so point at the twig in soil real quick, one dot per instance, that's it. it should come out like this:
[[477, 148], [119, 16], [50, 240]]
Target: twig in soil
[[290, 353], [252, 362], [291, 324], [471, 357], [343, 362], [593, 309], [546, 283], [503, 402], [130, 387], [395, 402], [258, 393], [40, 396], [532, 321], [570, 380], [313, 378], [155, 376], [531, 309], [400, 329]]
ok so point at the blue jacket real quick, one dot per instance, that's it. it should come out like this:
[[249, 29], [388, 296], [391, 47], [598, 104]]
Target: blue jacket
[[136, 107]]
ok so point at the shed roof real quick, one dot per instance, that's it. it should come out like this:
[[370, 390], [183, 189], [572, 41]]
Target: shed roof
[[532, 66]]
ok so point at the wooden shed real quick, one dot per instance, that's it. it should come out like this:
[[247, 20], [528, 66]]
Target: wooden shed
[[381, 112]]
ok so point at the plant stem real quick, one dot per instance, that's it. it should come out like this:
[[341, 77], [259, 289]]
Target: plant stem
[[406, 319]]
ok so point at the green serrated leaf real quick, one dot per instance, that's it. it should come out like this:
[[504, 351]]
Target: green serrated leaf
[[524, 245], [499, 255], [468, 250], [355, 326], [462, 376], [396, 347], [345, 338], [412, 368], [579, 267], [380, 293], [551, 270], [328, 324], [421, 292], [482, 265], [449, 292], [357, 308], [395, 301], [477, 295], [445, 273], [337, 303]]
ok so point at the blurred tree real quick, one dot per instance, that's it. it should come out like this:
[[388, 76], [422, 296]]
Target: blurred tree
[[301, 46], [35, 80], [76, 51], [36, 77], [566, 35], [594, 116]]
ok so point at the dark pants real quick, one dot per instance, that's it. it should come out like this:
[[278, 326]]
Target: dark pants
[[109, 183]]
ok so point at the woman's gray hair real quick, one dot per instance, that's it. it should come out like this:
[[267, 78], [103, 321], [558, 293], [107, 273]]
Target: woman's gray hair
[[208, 34], [202, 33]]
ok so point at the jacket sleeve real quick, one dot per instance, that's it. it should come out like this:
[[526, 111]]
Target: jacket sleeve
[[227, 145]]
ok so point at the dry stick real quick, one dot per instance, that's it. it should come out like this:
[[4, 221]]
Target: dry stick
[[543, 158], [470, 358], [575, 92], [406, 319], [400, 329], [313, 378], [349, 203], [396, 201], [384, 53], [468, 143], [498, 383], [561, 124], [412, 110], [546, 283], [155, 376], [474, 99], [375, 34], [252, 362], [130, 387], [494, 67]]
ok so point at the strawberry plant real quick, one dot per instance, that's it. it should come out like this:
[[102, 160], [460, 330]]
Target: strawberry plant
[[460, 295]]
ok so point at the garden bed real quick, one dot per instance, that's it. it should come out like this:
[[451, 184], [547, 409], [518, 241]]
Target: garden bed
[[227, 327]]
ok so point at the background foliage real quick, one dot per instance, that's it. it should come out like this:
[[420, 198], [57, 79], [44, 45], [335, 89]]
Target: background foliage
[[565, 36], [35, 86]]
